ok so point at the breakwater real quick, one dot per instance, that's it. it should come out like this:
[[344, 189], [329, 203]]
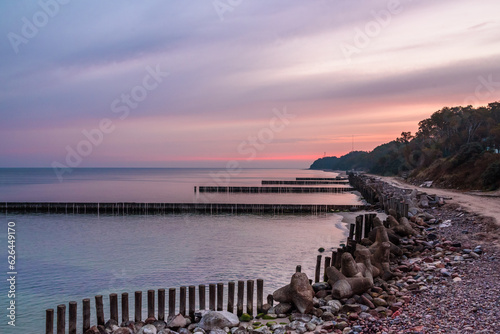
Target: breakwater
[[169, 208], [273, 190], [304, 182]]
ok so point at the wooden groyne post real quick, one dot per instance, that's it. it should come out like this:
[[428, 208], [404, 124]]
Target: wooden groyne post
[[217, 300]]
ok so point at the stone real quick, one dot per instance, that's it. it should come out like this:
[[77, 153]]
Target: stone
[[147, 329], [245, 317], [123, 330], [347, 308], [335, 305], [379, 302], [310, 327], [321, 286], [177, 322], [220, 319], [217, 331], [283, 308], [270, 316], [328, 316], [300, 317]]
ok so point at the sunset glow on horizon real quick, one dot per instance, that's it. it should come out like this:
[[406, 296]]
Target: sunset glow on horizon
[[266, 84]]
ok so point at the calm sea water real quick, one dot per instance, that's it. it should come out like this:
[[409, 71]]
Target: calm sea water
[[70, 257]]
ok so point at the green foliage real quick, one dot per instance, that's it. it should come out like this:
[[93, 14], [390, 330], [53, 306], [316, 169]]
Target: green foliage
[[447, 140]]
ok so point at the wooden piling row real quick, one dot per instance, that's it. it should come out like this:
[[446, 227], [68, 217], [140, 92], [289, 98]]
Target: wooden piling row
[[274, 190], [216, 301], [170, 208], [303, 182]]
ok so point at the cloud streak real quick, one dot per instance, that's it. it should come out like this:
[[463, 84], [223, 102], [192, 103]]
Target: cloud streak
[[227, 76]]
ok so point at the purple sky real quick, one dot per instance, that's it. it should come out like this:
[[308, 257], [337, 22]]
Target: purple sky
[[204, 83]]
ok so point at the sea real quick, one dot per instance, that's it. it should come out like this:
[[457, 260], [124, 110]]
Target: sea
[[62, 258]]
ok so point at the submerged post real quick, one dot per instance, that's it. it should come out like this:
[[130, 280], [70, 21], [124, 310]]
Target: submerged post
[[327, 264], [182, 301], [125, 311], [161, 304], [359, 228], [61, 319], [211, 297], [86, 314], [72, 317], [192, 301], [260, 295], [49, 321], [138, 306], [99, 309], [201, 296], [230, 297], [151, 303], [241, 294], [171, 303], [318, 268], [250, 287], [220, 296], [113, 306]]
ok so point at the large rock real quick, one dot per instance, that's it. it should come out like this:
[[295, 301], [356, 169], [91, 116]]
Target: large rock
[[212, 320], [299, 292]]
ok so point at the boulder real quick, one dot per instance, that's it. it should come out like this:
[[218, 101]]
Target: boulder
[[218, 319], [299, 292]]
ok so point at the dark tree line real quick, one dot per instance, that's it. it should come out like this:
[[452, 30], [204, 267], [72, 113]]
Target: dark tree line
[[449, 140]]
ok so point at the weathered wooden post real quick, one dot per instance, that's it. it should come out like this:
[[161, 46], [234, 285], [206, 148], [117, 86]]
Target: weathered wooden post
[[86, 314], [327, 264], [334, 258], [171, 303], [125, 310], [250, 288], [318, 268], [220, 296], [298, 269], [368, 223], [151, 303], [138, 306], [201, 296], [161, 304], [61, 319], [182, 301], [260, 295], [211, 297], [49, 321], [230, 297], [113, 306], [192, 301], [99, 309], [351, 231], [72, 317], [241, 294], [359, 228]]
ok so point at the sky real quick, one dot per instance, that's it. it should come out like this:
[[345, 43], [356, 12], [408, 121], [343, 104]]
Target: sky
[[233, 83]]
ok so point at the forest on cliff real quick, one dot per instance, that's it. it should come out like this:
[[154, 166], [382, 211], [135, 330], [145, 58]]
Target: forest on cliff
[[456, 147]]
